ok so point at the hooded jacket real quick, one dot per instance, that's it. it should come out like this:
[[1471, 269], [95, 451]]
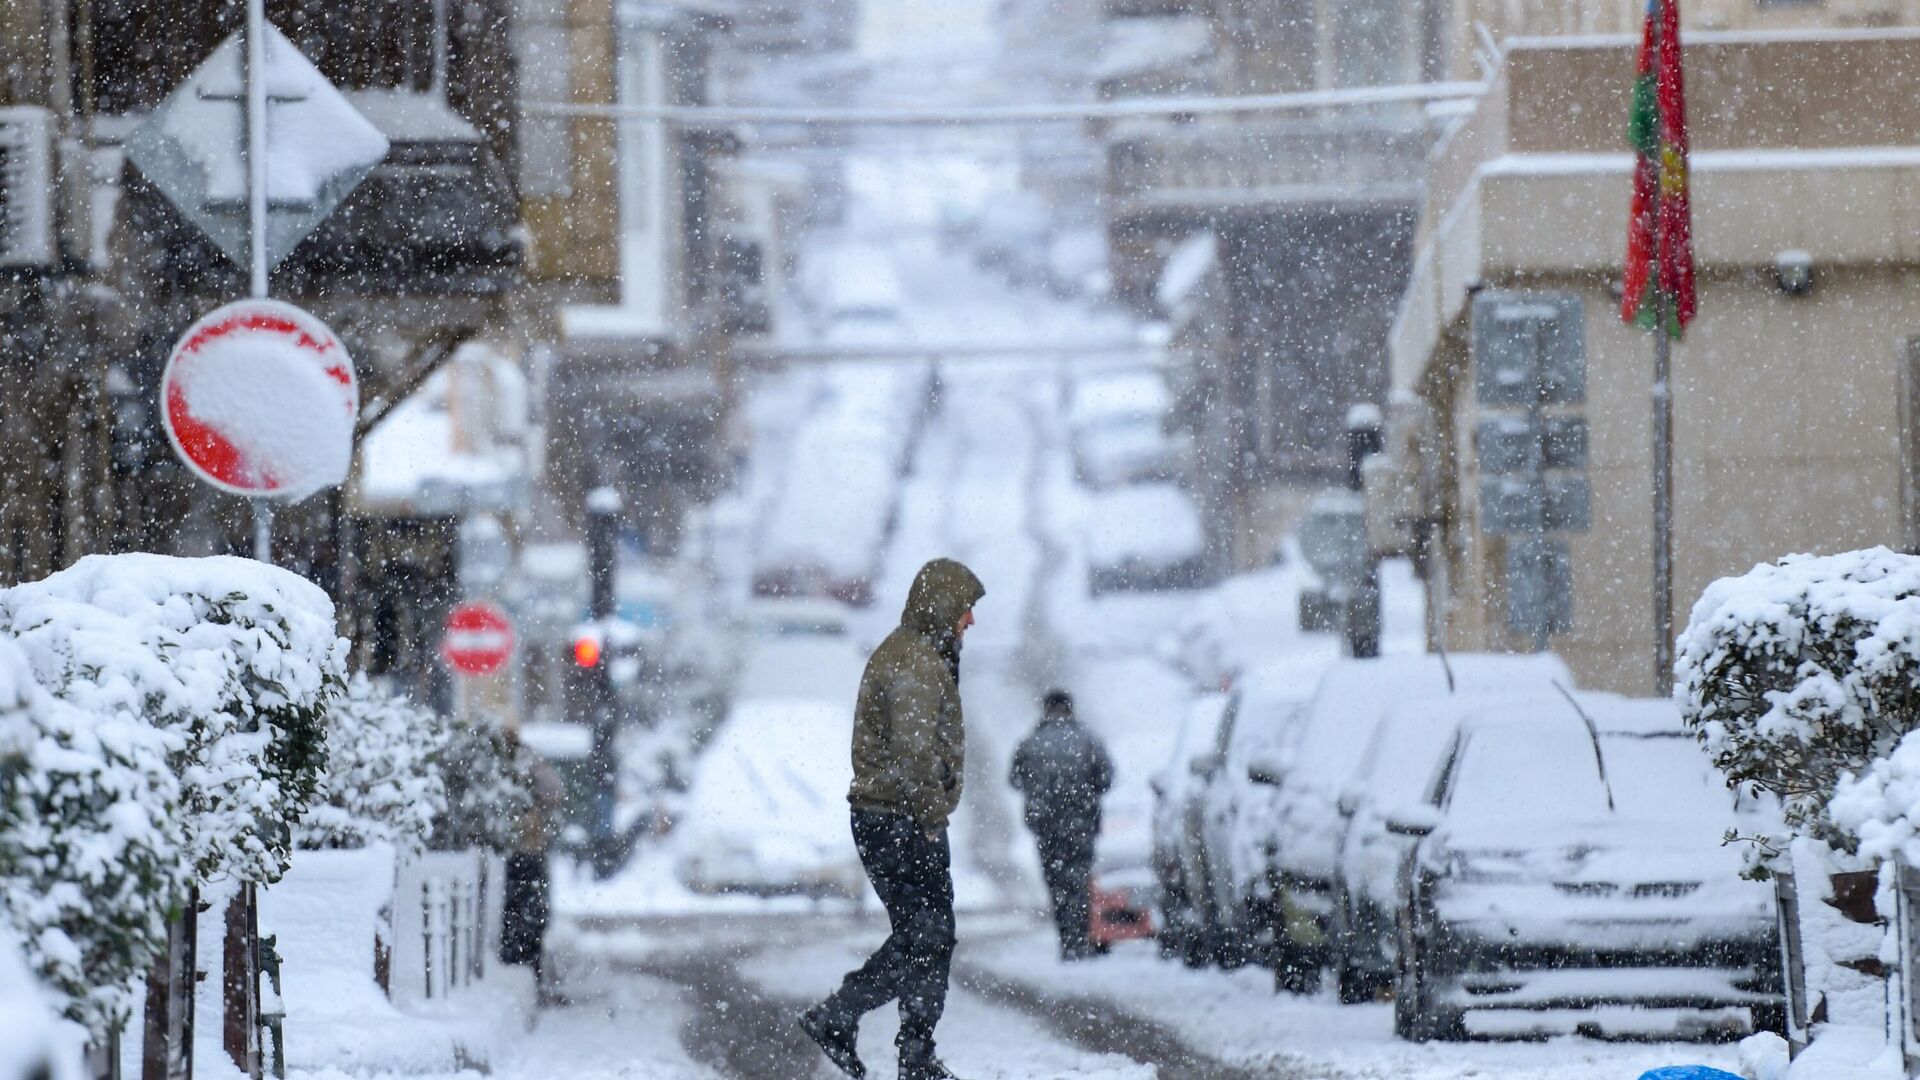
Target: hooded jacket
[[909, 742]]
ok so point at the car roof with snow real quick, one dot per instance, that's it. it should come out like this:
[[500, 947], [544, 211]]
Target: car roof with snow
[[1355, 695], [1411, 743]]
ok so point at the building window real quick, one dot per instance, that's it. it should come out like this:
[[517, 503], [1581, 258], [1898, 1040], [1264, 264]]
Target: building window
[[1368, 43]]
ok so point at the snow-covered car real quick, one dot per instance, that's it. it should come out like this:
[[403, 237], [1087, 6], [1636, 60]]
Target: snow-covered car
[[1236, 853], [1396, 768], [767, 812], [1117, 423], [1571, 859], [1144, 538], [1347, 705], [1178, 790]]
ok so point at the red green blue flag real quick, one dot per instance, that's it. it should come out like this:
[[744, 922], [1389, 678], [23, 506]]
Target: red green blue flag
[[1659, 271]]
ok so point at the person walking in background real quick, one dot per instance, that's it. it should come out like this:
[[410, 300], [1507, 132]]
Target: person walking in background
[[1063, 770], [908, 757], [525, 904]]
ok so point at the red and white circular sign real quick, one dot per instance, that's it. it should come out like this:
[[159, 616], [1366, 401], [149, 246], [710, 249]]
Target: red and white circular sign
[[478, 639], [259, 398]]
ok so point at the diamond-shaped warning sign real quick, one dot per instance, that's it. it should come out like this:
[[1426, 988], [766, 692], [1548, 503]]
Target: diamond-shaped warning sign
[[194, 147]]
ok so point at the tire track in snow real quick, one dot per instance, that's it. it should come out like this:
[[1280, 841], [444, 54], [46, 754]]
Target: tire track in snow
[[735, 1028], [1101, 1027]]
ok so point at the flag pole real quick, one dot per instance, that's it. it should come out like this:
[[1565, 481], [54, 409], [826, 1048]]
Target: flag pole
[[1662, 433], [1662, 500]]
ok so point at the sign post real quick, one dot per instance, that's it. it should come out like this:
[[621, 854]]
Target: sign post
[[259, 398]]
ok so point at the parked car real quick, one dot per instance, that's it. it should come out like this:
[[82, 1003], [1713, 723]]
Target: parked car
[[767, 811], [1240, 784], [1571, 859], [1397, 766], [1177, 806], [1117, 422], [1348, 704], [1145, 538]]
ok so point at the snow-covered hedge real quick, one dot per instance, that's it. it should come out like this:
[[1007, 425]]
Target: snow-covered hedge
[[383, 782], [92, 847], [235, 660], [1881, 807], [487, 792], [1802, 671], [33, 1044]]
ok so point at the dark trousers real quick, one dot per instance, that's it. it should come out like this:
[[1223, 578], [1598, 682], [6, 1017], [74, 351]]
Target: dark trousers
[[1066, 860], [913, 873]]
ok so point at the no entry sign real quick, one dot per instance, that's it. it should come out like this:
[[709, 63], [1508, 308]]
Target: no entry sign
[[259, 399], [478, 640]]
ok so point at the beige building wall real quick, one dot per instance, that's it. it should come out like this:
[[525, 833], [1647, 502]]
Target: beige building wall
[[1505, 20], [1788, 419]]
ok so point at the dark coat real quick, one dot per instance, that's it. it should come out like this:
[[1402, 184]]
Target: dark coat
[[1063, 770], [909, 739]]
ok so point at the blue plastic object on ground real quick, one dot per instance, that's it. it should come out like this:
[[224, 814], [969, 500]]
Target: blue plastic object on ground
[[1688, 1072]]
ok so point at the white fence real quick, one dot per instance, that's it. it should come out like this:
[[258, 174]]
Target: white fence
[[444, 924]]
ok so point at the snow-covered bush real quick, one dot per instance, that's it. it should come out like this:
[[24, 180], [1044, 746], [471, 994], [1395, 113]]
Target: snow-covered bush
[[383, 782], [1880, 808], [487, 792], [33, 1045], [234, 660], [93, 852], [1802, 671]]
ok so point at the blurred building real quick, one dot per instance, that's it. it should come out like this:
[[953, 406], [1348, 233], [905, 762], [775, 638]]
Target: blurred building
[[1796, 388], [1311, 213]]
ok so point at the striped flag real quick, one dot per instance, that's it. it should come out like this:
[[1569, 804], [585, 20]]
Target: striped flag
[[1659, 271]]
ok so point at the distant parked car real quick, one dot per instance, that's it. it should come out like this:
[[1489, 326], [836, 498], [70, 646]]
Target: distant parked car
[[767, 811], [1145, 538], [1177, 795], [1571, 862], [1348, 704], [1237, 807], [1118, 427]]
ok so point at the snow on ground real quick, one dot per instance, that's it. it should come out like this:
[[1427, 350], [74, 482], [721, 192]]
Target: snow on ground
[[976, 1039], [1237, 1017]]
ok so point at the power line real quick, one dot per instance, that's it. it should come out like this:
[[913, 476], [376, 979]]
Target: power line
[[974, 115]]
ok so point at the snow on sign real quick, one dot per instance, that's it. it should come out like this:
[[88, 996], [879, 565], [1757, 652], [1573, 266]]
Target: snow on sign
[[319, 147], [478, 639], [259, 399]]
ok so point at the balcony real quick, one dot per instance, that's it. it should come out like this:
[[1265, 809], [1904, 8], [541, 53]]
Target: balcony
[[1260, 166]]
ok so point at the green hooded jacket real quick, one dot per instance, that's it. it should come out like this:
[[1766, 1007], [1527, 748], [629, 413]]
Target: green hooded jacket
[[909, 744]]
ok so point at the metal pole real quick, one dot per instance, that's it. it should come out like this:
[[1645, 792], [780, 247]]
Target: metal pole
[[256, 110], [1662, 458], [1662, 501]]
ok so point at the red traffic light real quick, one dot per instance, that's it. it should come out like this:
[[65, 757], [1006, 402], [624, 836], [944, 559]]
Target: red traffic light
[[586, 651]]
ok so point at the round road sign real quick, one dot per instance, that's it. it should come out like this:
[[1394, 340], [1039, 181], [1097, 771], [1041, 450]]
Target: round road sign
[[259, 399], [478, 639]]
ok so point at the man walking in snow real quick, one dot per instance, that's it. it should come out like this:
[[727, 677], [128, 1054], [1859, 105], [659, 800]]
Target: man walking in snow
[[1063, 770], [908, 756]]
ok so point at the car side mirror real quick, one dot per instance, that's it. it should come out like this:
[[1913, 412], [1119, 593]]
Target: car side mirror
[[1416, 821], [1348, 803]]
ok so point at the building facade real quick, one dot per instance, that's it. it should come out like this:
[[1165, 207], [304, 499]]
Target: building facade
[[1793, 390]]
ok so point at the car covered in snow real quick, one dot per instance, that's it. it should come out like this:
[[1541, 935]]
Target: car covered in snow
[[1348, 704], [1144, 538], [767, 811], [1178, 793], [1241, 779], [1398, 764], [1571, 875], [1118, 427]]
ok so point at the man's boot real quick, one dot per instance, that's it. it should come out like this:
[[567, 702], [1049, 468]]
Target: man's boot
[[836, 1036], [918, 1063]]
